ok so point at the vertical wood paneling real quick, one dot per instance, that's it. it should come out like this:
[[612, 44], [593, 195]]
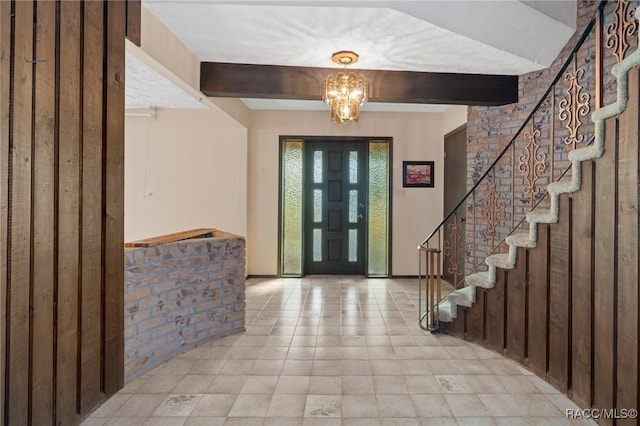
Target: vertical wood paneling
[[628, 187], [44, 205], [475, 317], [134, 12], [559, 293], [582, 362], [6, 53], [517, 308], [91, 226], [113, 182], [62, 180], [19, 232], [495, 313], [68, 211], [604, 331], [538, 309]]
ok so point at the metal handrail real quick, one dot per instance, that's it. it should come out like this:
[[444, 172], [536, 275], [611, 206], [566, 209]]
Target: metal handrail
[[583, 37]]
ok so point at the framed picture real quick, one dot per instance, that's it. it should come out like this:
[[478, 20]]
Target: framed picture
[[417, 174]]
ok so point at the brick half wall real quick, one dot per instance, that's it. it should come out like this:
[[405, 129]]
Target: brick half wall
[[181, 295]]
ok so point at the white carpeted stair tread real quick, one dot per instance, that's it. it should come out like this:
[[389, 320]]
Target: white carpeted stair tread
[[479, 279], [542, 216], [499, 261], [446, 312], [521, 240], [465, 296]]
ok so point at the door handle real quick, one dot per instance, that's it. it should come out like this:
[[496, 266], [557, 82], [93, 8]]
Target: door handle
[[360, 215]]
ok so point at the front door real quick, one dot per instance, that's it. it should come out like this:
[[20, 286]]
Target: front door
[[455, 182], [334, 214]]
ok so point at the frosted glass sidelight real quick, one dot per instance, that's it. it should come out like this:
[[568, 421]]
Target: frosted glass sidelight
[[353, 206], [317, 166], [317, 205], [378, 244], [291, 260], [353, 166], [353, 245], [317, 245]]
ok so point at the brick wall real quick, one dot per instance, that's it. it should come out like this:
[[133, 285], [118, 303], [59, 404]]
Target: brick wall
[[490, 129], [180, 295]]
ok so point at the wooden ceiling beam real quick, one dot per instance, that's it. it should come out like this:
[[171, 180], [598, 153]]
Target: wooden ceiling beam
[[305, 83]]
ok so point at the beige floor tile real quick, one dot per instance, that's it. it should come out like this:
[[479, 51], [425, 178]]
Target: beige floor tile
[[161, 383], [165, 421], [453, 384], [326, 368], [177, 405], [110, 407], [518, 384], [466, 405], [422, 384], [472, 366], [297, 368], [286, 405], [395, 406], [244, 421], [431, 406], [362, 421], [357, 385], [227, 384], [213, 405], [140, 405], [385, 367], [359, 406], [205, 421], [293, 385], [120, 421], [485, 383], [194, 383], [259, 384], [323, 406], [390, 385], [438, 421], [477, 421], [282, 421], [325, 385], [399, 421], [267, 367], [250, 405]]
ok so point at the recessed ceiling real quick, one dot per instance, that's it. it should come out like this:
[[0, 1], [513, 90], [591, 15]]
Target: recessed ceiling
[[484, 37]]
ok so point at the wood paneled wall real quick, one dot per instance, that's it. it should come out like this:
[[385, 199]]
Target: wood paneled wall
[[569, 310], [62, 191]]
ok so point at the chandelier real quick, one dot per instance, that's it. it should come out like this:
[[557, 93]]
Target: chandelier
[[344, 92]]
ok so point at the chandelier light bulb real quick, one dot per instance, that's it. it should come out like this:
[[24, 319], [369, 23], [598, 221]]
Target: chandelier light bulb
[[343, 92]]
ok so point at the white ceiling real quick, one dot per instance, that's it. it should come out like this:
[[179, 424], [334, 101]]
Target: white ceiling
[[485, 37]]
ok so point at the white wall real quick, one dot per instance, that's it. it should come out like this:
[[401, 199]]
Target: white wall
[[184, 169], [416, 211]]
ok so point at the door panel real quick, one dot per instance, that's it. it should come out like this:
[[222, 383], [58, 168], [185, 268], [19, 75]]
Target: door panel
[[455, 184], [335, 193]]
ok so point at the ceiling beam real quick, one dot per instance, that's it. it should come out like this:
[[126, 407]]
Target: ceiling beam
[[305, 83]]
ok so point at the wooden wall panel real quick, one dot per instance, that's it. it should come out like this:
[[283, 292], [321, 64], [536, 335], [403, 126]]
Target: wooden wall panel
[[91, 205], [604, 255], [113, 200], [6, 56], [538, 354], [582, 308], [62, 227], [475, 317], [68, 212], [559, 296], [495, 323], [517, 309], [44, 199], [19, 228], [627, 247]]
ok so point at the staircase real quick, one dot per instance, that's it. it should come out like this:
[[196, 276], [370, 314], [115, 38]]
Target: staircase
[[556, 286]]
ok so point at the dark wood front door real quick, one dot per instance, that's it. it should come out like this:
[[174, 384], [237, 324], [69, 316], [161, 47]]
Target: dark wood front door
[[455, 187], [334, 215]]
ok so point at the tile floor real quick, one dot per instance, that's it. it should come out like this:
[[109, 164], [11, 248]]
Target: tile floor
[[335, 351]]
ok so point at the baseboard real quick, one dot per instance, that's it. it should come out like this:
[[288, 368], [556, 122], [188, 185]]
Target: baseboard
[[261, 276], [415, 277]]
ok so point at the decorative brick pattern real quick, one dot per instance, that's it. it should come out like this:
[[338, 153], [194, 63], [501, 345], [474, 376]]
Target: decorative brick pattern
[[180, 295]]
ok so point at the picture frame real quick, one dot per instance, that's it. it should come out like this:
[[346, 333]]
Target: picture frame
[[418, 174]]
